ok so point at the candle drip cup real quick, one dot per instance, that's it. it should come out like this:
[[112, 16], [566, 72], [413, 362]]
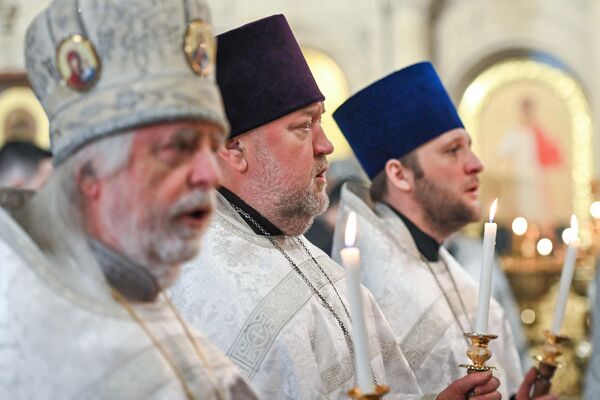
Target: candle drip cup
[[548, 362], [380, 391]]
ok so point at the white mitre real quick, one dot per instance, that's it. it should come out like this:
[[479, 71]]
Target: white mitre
[[103, 67]]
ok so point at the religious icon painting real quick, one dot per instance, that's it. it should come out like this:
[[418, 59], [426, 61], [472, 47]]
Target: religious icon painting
[[531, 126], [77, 63], [199, 47]]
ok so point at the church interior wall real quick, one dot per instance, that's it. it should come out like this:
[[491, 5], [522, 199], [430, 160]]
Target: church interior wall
[[349, 32], [468, 34], [369, 39]]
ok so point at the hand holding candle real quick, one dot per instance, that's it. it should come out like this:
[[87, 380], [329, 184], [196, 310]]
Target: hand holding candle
[[485, 280], [351, 260], [566, 277], [552, 347]]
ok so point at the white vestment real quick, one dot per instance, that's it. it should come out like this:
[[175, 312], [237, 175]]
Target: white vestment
[[245, 296], [592, 376], [407, 292], [62, 336]]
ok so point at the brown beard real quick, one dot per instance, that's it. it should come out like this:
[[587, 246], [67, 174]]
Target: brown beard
[[444, 211]]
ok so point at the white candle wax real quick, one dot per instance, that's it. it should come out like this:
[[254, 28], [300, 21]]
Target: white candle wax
[[351, 261], [566, 278], [485, 280]]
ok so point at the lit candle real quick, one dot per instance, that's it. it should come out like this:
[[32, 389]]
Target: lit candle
[[351, 260], [485, 281], [566, 277]]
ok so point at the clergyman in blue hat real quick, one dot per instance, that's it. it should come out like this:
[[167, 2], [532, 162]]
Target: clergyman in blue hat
[[408, 137], [262, 292], [84, 262]]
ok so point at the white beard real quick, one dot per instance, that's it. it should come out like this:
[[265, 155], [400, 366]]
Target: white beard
[[151, 237]]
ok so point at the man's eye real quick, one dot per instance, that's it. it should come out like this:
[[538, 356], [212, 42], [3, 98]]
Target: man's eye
[[180, 146], [217, 145], [454, 149]]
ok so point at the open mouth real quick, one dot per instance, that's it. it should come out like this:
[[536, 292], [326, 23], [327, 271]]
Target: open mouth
[[199, 214], [474, 189], [322, 174], [196, 217]]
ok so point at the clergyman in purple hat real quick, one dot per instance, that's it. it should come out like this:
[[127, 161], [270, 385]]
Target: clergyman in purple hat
[[275, 303], [406, 133]]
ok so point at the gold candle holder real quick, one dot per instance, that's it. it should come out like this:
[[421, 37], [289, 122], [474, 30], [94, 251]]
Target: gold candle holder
[[478, 352], [548, 362], [380, 391]]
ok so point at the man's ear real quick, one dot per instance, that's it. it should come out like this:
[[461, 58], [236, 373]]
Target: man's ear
[[234, 154], [399, 176], [87, 181]]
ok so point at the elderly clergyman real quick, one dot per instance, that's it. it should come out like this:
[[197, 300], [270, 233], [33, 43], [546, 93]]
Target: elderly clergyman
[[410, 140], [84, 261], [276, 304]]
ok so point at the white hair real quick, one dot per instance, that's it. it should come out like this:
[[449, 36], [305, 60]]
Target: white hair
[[54, 216], [106, 156]]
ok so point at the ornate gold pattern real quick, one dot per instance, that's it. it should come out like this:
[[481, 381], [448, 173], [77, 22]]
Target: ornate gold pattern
[[479, 352], [200, 48]]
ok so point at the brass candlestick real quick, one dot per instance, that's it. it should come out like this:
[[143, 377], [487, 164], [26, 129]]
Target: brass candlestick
[[380, 391], [479, 352], [548, 363]]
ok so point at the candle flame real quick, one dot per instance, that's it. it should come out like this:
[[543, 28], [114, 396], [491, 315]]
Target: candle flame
[[493, 210], [350, 230], [574, 226]]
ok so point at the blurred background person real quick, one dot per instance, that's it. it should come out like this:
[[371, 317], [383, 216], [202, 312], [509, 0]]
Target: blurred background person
[[24, 165]]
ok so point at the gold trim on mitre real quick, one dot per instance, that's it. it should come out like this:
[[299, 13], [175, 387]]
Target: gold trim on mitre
[[199, 47]]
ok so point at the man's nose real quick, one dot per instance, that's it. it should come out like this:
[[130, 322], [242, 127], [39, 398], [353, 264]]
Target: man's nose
[[321, 145], [474, 164], [205, 173]]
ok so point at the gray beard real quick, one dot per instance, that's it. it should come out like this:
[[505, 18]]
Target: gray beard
[[294, 207], [300, 209]]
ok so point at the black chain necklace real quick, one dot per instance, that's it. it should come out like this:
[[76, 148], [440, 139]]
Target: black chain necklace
[[295, 267], [327, 277], [302, 275], [454, 313]]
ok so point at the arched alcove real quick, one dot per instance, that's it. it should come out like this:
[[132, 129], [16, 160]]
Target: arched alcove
[[22, 116], [334, 85]]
